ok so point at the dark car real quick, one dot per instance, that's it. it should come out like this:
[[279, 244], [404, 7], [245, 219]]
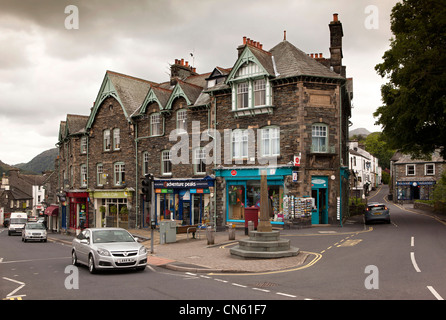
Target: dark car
[[6, 223], [376, 211]]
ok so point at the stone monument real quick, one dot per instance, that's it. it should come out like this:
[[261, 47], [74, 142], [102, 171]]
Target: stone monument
[[264, 243]]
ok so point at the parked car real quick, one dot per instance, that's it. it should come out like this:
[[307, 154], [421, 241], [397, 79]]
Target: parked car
[[17, 222], [376, 211], [108, 248], [34, 231]]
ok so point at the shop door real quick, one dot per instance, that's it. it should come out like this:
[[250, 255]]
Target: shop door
[[184, 207], [197, 208], [319, 191]]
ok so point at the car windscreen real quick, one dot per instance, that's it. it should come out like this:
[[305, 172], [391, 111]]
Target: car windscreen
[[377, 208], [18, 221], [108, 236], [38, 226]]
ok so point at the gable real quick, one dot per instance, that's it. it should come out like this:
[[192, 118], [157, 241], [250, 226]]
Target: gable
[[251, 63]]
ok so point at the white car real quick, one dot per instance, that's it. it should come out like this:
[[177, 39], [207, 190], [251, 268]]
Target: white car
[[108, 248], [34, 231]]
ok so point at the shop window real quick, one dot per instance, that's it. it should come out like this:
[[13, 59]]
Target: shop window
[[107, 142], [166, 164], [319, 137], [119, 170], [155, 124], [270, 141], [236, 202], [116, 139]]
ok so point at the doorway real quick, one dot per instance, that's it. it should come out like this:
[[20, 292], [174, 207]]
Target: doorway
[[319, 191]]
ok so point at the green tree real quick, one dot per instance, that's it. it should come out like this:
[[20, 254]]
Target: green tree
[[413, 116], [376, 145]]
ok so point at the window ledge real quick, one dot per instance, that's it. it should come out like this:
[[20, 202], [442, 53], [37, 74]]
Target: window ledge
[[253, 111]]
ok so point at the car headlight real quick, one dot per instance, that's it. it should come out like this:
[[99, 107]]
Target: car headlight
[[103, 252], [142, 250]]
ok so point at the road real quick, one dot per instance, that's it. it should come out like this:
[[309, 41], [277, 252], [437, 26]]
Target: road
[[402, 260]]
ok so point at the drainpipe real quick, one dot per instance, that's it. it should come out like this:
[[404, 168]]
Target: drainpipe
[[214, 198]]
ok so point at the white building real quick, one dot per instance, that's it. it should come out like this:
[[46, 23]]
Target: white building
[[366, 169]]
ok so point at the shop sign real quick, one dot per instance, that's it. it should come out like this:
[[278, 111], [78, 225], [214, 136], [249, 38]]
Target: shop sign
[[109, 194], [180, 184], [296, 161], [295, 176], [233, 173]]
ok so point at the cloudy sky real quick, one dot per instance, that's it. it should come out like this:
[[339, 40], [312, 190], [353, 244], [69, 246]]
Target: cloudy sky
[[47, 70]]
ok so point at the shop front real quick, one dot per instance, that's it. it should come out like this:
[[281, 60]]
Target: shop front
[[78, 210], [184, 200], [243, 191], [112, 208], [415, 190]]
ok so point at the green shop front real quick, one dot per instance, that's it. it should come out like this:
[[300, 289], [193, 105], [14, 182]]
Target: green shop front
[[184, 200], [243, 191], [112, 207]]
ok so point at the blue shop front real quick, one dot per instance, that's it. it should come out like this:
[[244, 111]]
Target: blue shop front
[[184, 200], [243, 190]]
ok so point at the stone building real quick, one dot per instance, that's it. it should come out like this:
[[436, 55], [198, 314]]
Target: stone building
[[206, 138], [415, 179]]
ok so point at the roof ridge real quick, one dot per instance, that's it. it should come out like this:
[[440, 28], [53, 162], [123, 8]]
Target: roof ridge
[[131, 77]]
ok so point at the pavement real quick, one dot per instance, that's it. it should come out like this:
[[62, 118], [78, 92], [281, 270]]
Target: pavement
[[190, 254]]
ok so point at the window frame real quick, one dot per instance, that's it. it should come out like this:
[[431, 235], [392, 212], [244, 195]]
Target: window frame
[[270, 139], [320, 147], [414, 170], [119, 176], [200, 161], [164, 160], [83, 175], [145, 162], [242, 95], [239, 143], [259, 89], [116, 139], [106, 138], [99, 173], [83, 146], [183, 127], [159, 125], [426, 169]]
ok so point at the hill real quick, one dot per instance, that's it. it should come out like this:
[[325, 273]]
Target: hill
[[41, 162], [359, 131]]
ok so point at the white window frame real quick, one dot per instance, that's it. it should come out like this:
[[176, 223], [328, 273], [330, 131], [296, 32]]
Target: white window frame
[[240, 139], [407, 170], [116, 139], [200, 161], [156, 124], [259, 92], [426, 169], [182, 120], [107, 140], [83, 175], [83, 144], [243, 95], [119, 173], [270, 141], [145, 162], [166, 163], [99, 172], [319, 133]]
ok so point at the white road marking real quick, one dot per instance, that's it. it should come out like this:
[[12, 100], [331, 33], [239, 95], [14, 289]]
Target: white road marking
[[238, 285], [435, 293], [286, 295], [412, 257], [412, 241], [15, 290]]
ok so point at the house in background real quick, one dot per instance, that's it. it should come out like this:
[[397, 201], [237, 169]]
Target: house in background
[[415, 179]]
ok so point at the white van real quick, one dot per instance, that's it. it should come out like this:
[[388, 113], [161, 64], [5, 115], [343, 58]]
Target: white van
[[17, 222]]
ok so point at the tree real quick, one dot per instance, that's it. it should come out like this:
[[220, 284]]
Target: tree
[[375, 144], [413, 116]]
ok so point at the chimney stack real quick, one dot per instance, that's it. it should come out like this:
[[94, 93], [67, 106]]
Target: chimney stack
[[336, 34]]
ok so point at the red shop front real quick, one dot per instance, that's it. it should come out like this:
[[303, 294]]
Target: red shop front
[[78, 206]]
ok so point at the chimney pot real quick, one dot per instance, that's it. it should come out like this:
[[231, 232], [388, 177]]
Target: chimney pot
[[187, 63], [284, 35], [320, 55], [335, 17], [182, 62], [312, 55], [244, 40], [261, 46]]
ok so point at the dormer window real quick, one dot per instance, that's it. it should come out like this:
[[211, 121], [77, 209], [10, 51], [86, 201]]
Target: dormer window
[[242, 95]]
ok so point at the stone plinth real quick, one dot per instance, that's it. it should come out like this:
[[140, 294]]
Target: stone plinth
[[265, 245]]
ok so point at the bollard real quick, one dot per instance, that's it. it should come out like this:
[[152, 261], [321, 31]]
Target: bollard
[[250, 226], [231, 232], [210, 235]]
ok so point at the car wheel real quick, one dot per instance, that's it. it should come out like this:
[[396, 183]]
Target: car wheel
[[91, 266], [74, 258]]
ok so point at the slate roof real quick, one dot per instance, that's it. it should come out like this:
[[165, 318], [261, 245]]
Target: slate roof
[[291, 61], [75, 124], [401, 158], [132, 91]]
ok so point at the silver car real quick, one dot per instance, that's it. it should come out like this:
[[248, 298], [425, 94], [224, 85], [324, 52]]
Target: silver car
[[376, 211], [108, 248], [34, 231]]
